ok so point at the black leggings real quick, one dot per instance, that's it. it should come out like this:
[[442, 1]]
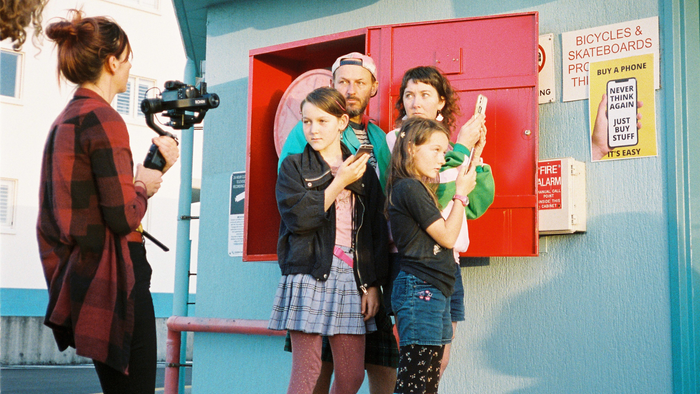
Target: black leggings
[[142, 361]]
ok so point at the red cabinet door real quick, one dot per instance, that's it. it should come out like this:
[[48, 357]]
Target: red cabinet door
[[495, 56]]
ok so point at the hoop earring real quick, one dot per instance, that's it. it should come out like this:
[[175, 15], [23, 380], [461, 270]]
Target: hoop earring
[[439, 117]]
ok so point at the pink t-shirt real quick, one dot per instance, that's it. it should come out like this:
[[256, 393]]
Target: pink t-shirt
[[343, 218]]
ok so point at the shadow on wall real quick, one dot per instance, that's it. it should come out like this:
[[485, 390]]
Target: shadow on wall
[[296, 11], [597, 321]]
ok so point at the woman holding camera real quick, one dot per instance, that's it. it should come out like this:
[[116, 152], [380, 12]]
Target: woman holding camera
[[91, 206]]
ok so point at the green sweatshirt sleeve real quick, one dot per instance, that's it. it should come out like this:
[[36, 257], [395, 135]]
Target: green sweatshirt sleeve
[[481, 198], [381, 151]]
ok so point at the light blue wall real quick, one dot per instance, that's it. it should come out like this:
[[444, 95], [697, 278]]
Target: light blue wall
[[589, 315], [32, 302]]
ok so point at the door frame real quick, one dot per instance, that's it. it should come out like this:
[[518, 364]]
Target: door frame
[[682, 76]]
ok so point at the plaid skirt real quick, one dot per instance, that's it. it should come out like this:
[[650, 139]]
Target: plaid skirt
[[328, 307]]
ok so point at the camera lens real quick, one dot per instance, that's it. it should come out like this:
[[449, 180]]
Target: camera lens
[[149, 106], [213, 100]]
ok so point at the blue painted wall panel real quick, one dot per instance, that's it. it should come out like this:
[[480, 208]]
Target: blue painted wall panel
[[589, 315], [33, 302]]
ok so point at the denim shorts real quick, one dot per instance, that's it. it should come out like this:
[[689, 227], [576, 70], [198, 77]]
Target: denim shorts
[[422, 312], [457, 298]]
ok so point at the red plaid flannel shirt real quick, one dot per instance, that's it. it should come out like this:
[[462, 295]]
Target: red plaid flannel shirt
[[88, 205]]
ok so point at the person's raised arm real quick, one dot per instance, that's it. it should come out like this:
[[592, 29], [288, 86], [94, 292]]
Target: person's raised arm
[[123, 204], [168, 148], [445, 232], [471, 130]]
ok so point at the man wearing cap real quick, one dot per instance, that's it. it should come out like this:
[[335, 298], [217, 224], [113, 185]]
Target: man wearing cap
[[355, 77]]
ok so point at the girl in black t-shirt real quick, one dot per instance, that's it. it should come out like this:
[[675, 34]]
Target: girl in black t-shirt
[[420, 297]]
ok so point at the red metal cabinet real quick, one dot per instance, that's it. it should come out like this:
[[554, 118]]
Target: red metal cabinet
[[495, 56]]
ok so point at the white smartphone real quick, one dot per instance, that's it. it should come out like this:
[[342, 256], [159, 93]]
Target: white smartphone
[[365, 149], [622, 112], [480, 108], [481, 102]]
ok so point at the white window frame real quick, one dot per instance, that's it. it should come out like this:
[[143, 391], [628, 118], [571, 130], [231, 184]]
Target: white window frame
[[8, 205], [17, 99], [133, 112]]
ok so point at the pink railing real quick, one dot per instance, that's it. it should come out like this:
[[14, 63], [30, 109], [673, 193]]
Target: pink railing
[[178, 324]]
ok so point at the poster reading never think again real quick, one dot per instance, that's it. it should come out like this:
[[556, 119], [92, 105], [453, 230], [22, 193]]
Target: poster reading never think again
[[622, 108]]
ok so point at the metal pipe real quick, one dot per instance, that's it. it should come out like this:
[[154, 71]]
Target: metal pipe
[[172, 362], [184, 245], [178, 325]]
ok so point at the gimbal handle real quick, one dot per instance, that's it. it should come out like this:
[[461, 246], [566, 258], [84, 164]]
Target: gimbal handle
[[152, 124]]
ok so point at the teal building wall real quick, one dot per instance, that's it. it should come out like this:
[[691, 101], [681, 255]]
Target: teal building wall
[[591, 314]]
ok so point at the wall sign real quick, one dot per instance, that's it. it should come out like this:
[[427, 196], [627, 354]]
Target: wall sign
[[549, 184], [235, 216], [619, 40], [545, 64], [561, 196], [622, 110]]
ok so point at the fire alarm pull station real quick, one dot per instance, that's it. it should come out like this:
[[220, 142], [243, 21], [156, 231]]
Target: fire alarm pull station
[[561, 196]]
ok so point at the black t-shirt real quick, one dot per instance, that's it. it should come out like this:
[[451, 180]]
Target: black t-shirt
[[411, 211]]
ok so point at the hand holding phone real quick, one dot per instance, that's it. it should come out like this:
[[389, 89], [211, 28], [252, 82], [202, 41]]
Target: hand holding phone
[[480, 108], [365, 149]]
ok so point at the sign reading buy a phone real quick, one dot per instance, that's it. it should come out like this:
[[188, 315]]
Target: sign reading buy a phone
[[622, 108]]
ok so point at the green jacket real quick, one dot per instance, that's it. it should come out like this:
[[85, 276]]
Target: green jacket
[[481, 198], [296, 142]]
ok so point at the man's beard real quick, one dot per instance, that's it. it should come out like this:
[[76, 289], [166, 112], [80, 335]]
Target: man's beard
[[357, 111]]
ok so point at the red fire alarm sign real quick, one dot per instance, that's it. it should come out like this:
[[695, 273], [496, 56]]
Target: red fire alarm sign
[[561, 196], [549, 184]]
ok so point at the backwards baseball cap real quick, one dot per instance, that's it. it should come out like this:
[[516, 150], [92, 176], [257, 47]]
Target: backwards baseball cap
[[356, 59]]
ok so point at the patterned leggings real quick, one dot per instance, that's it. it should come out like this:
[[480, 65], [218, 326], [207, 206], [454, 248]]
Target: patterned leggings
[[348, 361], [419, 369]]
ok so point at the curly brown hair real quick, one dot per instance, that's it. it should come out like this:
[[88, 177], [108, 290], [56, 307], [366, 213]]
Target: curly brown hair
[[16, 15], [432, 76]]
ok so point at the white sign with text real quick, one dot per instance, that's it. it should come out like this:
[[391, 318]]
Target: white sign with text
[[545, 64], [619, 40]]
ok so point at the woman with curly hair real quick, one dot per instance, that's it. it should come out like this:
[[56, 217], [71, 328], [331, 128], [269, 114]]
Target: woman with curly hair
[[16, 15]]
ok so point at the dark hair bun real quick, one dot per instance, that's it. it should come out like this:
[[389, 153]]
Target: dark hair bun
[[62, 32], [84, 45]]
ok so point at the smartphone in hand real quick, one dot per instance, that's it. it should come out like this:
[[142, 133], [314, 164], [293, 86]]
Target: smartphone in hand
[[481, 102], [365, 149], [480, 108], [622, 112]]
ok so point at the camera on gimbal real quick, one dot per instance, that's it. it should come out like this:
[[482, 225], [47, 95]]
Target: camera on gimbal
[[184, 104]]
